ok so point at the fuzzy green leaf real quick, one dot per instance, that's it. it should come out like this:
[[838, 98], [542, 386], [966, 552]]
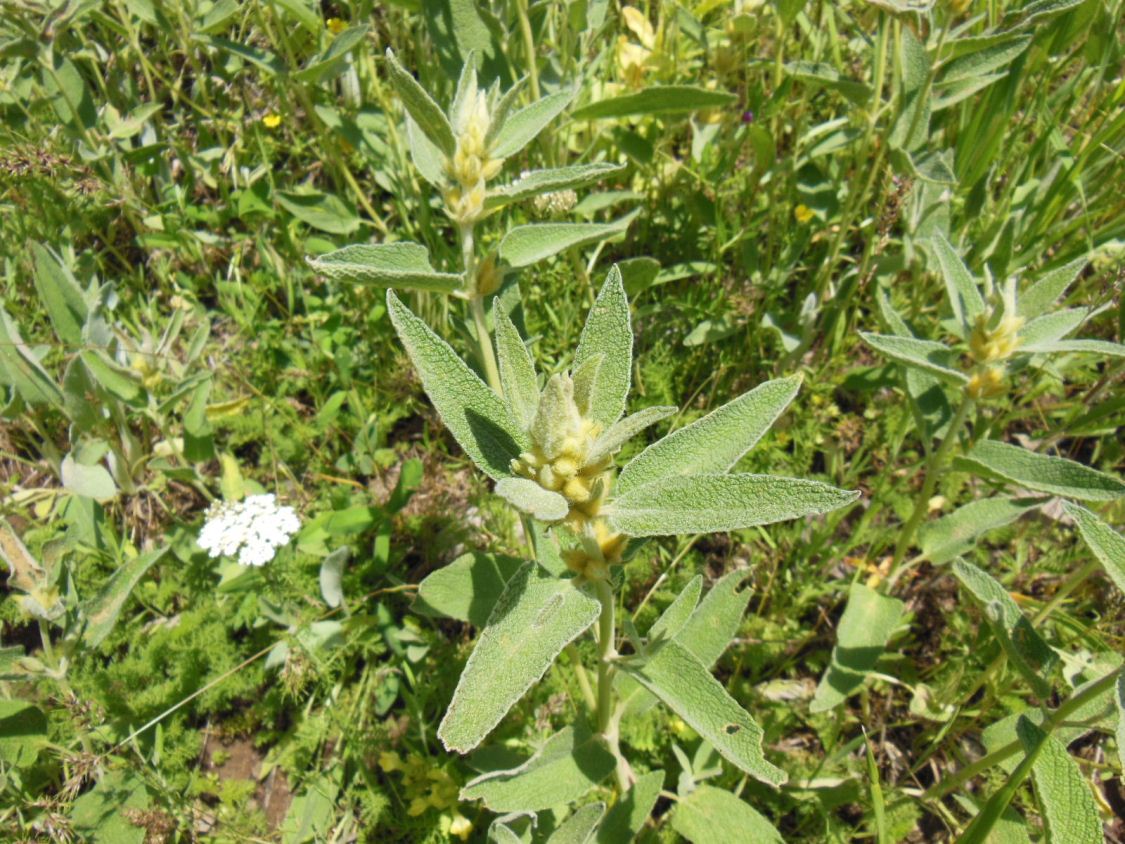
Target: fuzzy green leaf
[[677, 613], [1064, 793], [579, 827], [926, 355], [1119, 703], [385, 265], [529, 497], [20, 367], [536, 616], [102, 610], [425, 155], [715, 622], [119, 382], [1025, 648], [1106, 543], [547, 552], [421, 107], [686, 686], [87, 480], [529, 244], [1049, 289], [1042, 472], [953, 535], [629, 813], [712, 815], [822, 73], [659, 99], [866, 626], [540, 182], [1052, 327], [585, 377], [608, 334], [712, 503], [521, 127], [610, 440], [60, 294], [23, 733], [467, 589], [568, 765], [1089, 347], [983, 62], [713, 444], [960, 286], [476, 416], [517, 370]]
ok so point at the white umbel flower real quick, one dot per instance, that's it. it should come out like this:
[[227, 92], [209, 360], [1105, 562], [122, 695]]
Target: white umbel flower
[[253, 528]]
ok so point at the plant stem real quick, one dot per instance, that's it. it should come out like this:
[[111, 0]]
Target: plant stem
[[932, 472], [583, 679], [1079, 699], [476, 305], [529, 48], [606, 652]]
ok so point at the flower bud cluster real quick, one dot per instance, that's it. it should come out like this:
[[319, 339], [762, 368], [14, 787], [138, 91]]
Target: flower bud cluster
[[470, 167], [599, 549], [994, 339], [986, 384], [562, 445]]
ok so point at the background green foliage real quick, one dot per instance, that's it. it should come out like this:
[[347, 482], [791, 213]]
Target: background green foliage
[[191, 155]]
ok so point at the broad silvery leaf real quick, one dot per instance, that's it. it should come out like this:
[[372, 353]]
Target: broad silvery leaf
[[569, 764], [632, 809], [686, 686], [467, 589], [579, 827], [529, 497], [545, 181], [386, 265], [661, 99], [529, 244], [1041, 472], [712, 503], [1106, 543], [950, 536], [521, 127], [536, 616], [20, 367], [713, 444], [421, 107], [866, 626], [717, 816], [677, 613], [927, 355], [1087, 347], [1049, 289], [585, 378], [1063, 791], [476, 416], [426, 157], [517, 370], [1052, 327], [547, 551], [87, 480], [60, 294], [102, 610], [1026, 650], [964, 295], [625, 429], [982, 62], [608, 335]]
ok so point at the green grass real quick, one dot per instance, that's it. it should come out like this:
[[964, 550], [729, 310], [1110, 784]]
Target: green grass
[[138, 142]]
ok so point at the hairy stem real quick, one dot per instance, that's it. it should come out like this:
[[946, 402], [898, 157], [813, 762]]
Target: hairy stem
[[529, 48], [932, 472], [476, 306], [606, 653]]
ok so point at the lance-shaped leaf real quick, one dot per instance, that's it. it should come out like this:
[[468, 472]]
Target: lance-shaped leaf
[[547, 551], [822, 73], [569, 764], [90, 480], [585, 377], [476, 416], [385, 265], [1041, 472], [1049, 289], [467, 589], [660, 99], [625, 429], [579, 827], [521, 127], [926, 355], [964, 295], [677, 613], [115, 379], [866, 626], [632, 809], [713, 444], [421, 107], [1064, 793], [529, 497], [61, 296], [517, 370], [102, 610], [712, 503], [608, 335], [1105, 348], [536, 617], [983, 62], [1052, 327], [951, 536], [426, 157], [716, 816], [545, 181], [686, 686], [526, 245], [1106, 543], [20, 367], [1025, 648]]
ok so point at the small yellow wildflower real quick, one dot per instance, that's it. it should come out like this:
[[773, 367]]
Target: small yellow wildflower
[[984, 385], [271, 120], [803, 213], [335, 25]]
